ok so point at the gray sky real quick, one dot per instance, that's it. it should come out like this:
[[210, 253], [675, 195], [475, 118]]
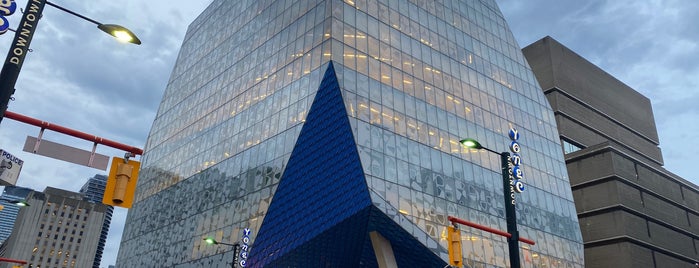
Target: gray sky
[[652, 46], [81, 78]]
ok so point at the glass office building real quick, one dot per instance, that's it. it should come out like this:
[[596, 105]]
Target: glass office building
[[325, 134], [58, 229], [93, 190], [9, 211]]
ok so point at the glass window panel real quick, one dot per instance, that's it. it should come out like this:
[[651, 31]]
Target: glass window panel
[[365, 157], [403, 175], [404, 197], [375, 112], [391, 173]]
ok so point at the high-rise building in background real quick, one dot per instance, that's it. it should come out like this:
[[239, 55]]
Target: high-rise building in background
[[9, 212], [58, 229], [93, 190], [632, 211], [323, 130]]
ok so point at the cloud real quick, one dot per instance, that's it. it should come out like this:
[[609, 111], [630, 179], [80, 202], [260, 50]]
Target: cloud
[[649, 45], [78, 77]]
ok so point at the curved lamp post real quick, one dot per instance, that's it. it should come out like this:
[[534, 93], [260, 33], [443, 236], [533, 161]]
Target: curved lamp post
[[509, 193], [118, 31], [474, 144], [23, 37], [212, 241]]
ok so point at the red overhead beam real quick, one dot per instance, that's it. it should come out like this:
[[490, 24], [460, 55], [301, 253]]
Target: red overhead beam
[[72, 132], [488, 229], [11, 260]]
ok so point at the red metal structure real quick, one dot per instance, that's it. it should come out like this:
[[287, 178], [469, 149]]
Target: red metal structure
[[72, 132], [13, 261], [455, 220]]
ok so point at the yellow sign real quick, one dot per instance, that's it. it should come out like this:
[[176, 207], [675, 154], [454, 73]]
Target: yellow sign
[[121, 183]]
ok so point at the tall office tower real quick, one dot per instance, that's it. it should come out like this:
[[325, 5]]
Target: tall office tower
[[58, 229], [313, 132], [632, 211], [93, 190], [9, 212]]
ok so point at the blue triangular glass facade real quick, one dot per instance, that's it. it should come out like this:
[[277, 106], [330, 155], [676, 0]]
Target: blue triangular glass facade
[[323, 183]]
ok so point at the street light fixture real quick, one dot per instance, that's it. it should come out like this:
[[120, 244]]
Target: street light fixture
[[471, 143], [236, 246], [23, 37], [508, 185], [19, 203], [118, 31], [212, 241]]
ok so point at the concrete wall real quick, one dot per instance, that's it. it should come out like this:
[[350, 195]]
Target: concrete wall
[[620, 201], [631, 211], [556, 66], [577, 122]]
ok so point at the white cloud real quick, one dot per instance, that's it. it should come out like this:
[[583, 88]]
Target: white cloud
[[78, 77], [649, 45]]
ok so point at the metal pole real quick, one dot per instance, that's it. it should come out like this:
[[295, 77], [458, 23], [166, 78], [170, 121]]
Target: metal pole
[[73, 13], [72, 132], [18, 50], [510, 213]]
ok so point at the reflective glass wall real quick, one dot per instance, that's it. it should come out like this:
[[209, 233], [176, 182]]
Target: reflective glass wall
[[417, 76]]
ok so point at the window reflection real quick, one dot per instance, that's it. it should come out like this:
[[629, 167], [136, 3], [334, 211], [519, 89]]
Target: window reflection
[[473, 87]]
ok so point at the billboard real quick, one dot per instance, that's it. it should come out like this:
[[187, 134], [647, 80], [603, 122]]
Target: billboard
[[10, 166]]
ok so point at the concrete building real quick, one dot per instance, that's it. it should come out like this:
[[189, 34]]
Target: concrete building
[[632, 211], [9, 212], [58, 229], [93, 190], [322, 133]]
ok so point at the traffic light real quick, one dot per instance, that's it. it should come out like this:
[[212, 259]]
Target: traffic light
[[121, 183], [454, 240]]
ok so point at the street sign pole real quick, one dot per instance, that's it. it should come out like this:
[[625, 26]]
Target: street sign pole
[[18, 50]]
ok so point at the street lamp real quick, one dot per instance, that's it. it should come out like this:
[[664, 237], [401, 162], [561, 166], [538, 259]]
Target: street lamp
[[23, 37], [118, 31], [236, 246], [509, 184], [19, 203]]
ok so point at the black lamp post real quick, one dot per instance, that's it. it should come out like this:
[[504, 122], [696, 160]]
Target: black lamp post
[[508, 186], [236, 246], [23, 37]]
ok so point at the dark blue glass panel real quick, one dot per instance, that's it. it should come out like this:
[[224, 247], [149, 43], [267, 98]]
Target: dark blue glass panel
[[321, 214], [323, 184]]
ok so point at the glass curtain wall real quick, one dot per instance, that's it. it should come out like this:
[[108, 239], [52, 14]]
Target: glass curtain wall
[[417, 76]]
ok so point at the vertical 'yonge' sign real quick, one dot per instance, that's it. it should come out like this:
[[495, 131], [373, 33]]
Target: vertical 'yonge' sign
[[244, 248], [516, 174]]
